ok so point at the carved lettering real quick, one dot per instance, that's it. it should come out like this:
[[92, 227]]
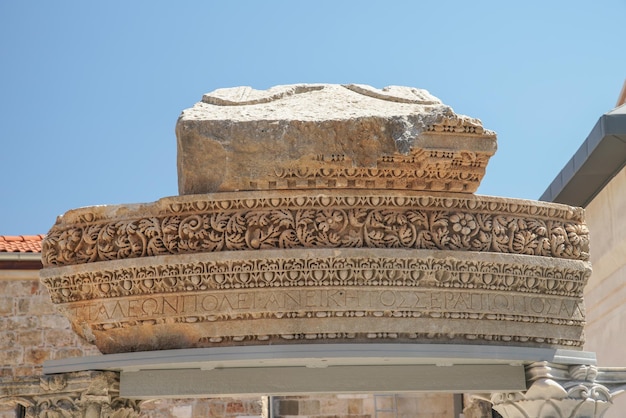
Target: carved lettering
[[170, 305], [537, 305], [244, 301], [150, 306], [328, 299], [117, 311], [387, 298], [133, 308], [209, 303]]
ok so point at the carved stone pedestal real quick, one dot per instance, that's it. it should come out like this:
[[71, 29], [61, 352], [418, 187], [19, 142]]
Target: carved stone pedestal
[[325, 215], [562, 391], [70, 395]]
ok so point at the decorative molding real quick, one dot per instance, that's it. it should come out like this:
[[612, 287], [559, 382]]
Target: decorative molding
[[267, 296], [264, 267], [348, 268], [563, 391], [185, 226], [70, 395], [419, 170]]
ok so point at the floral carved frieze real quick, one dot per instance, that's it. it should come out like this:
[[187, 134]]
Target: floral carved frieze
[[196, 224], [265, 296], [270, 269]]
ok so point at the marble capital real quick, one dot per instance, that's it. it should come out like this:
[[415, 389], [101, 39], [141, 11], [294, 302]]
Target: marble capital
[[563, 391], [88, 394]]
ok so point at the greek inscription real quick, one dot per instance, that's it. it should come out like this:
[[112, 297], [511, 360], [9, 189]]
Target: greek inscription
[[328, 299]]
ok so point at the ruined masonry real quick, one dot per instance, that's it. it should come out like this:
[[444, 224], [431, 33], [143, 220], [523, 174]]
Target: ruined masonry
[[339, 220]]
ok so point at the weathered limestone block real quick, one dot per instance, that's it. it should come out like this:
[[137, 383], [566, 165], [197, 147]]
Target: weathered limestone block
[[329, 136]]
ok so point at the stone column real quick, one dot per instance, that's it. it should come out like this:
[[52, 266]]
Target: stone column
[[71, 395], [563, 391]]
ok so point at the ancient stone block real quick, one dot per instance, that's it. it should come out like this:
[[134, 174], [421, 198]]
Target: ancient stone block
[[31, 338], [26, 371], [6, 305], [19, 323], [331, 214], [11, 357], [7, 339], [60, 337], [359, 266], [53, 321], [63, 353], [40, 305], [329, 136], [36, 355]]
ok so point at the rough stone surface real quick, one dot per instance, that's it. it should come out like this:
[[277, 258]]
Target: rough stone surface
[[329, 136], [32, 331]]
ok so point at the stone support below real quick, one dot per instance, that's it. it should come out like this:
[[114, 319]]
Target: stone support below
[[326, 239], [563, 391], [88, 394], [476, 406]]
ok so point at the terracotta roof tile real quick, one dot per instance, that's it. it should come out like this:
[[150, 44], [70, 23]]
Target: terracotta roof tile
[[20, 243]]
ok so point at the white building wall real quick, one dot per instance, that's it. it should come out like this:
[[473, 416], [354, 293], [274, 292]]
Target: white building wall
[[605, 295]]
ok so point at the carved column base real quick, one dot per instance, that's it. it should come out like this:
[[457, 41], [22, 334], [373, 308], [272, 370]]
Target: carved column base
[[563, 391], [70, 395]]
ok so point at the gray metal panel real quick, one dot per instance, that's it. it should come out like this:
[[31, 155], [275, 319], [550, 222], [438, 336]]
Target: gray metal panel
[[597, 161], [316, 355], [193, 383]]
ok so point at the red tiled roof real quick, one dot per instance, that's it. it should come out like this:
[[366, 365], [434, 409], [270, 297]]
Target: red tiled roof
[[20, 243]]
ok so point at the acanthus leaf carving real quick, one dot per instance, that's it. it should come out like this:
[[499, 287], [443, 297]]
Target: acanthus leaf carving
[[71, 395], [366, 222], [336, 270], [562, 391]]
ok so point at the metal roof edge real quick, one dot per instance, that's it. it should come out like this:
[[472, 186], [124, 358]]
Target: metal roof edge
[[589, 170]]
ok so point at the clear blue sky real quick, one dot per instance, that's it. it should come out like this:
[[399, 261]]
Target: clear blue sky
[[90, 91]]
